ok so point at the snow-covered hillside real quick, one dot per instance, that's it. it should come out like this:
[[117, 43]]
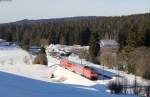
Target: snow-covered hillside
[[19, 78], [13, 56]]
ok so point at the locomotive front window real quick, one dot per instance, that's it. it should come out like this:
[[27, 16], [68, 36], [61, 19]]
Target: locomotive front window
[[93, 72]]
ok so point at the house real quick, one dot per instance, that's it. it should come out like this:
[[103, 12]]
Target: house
[[3, 42], [110, 46], [108, 52]]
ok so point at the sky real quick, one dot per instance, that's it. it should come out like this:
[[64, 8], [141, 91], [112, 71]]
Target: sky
[[15, 10]]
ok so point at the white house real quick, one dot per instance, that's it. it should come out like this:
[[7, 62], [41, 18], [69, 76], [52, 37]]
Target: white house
[[109, 46], [4, 42], [108, 51]]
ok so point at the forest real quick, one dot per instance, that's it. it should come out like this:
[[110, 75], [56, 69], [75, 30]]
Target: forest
[[131, 32]]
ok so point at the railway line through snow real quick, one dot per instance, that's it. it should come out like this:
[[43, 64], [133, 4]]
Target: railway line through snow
[[67, 76], [61, 49], [99, 71], [70, 77]]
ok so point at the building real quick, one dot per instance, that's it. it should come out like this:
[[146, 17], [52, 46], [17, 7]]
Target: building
[[108, 51], [110, 46], [3, 42]]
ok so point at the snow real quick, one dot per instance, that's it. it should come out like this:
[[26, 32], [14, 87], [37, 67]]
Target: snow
[[25, 87], [2, 40], [19, 78], [60, 48], [13, 55], [18, 86], [108, 43]]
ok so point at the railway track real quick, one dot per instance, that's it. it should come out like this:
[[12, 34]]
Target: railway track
[[105, 76]]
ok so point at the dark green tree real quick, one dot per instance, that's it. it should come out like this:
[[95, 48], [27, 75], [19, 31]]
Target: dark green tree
[[85, 36], [147, 38], [94, 47]]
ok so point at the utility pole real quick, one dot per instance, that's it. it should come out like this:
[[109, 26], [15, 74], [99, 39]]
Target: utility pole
[[103, 71], [135, 82]]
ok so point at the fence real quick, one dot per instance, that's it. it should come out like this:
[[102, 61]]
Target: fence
[[142, 91]]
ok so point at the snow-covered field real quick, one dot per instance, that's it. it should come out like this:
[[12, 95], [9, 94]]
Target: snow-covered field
[[19, 78]]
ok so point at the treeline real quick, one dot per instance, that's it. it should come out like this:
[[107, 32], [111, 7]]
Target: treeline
[[131, 30], [132, 33]]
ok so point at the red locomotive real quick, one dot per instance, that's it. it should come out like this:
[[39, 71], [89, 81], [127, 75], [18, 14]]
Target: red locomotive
[[82, 70]]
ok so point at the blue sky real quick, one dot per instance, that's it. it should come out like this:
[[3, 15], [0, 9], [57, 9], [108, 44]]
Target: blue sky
[[45, 9]]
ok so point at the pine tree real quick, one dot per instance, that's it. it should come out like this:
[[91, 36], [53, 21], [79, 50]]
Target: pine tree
[[85, 36], [94, 47], [147, 38]]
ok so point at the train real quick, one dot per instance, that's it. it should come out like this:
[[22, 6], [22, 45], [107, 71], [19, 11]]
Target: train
[[84, 71]]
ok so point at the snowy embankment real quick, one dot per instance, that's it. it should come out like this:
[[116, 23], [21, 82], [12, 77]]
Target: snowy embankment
[[17, 86], [19, 78], [14, 55], [17, 61]]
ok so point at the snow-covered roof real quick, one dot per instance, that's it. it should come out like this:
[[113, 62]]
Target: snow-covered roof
[[2, 40], [108, 43]]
